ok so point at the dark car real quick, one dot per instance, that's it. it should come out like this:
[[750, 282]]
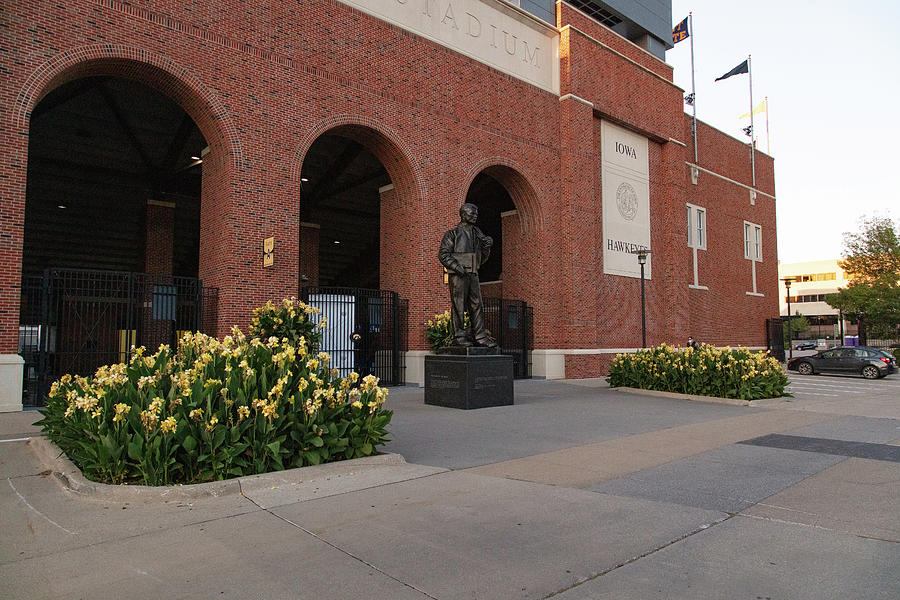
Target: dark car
[[810, 345], [871, 363]]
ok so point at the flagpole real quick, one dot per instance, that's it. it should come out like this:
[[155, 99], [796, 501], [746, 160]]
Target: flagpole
[[769, 152], [752, 150], [693, 84]]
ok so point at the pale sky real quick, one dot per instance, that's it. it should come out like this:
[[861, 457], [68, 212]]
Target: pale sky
[[830, 73]]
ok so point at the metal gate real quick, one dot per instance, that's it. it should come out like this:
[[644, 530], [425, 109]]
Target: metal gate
[[73, 321], [509, 323], [775, 337], [366, 330]]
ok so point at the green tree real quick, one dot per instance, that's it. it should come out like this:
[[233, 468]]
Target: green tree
[[872, 262], [799, 324]]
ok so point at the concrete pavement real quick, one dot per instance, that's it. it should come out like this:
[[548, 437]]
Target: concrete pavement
[[576, 492]]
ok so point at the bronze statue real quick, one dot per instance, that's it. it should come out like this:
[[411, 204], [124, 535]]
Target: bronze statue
[[463, 250]]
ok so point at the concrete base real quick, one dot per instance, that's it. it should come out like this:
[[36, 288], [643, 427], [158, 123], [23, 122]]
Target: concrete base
[[469, 381], [415, 367], [11, 373]]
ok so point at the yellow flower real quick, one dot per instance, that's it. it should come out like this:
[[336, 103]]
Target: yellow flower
[[212, 423], [149, 419], [269, 410], [196, 414], [122, 409], [168, 425], [243, 413], [312, 364]]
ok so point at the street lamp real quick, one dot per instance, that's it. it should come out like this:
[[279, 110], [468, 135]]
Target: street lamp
[[787, 284], [642, 260]]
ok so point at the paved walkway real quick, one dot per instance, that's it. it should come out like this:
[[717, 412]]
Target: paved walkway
[[576, 492]]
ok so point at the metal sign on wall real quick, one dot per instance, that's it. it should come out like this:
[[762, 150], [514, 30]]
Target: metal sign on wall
[[490, 31], [625, 173]]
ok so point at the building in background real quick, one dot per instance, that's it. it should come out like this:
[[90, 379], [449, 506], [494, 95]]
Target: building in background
[[647, 24], [170, 166], [812, 281]]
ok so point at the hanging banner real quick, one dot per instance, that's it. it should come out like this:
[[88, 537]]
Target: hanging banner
[[625, 173]]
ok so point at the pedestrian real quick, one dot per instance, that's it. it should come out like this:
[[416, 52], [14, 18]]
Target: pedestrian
[[691, 343]]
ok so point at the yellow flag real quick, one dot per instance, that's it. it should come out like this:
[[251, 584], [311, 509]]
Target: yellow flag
[[760, 108]]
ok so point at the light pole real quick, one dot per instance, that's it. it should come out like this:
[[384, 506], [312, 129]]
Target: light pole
[[642, 260], [787, 284]]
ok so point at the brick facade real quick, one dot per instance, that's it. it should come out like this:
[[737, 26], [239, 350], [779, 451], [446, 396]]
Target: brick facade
[[264, 80]]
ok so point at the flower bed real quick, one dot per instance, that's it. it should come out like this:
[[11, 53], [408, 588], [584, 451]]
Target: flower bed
[[214, 410], [706, 371]]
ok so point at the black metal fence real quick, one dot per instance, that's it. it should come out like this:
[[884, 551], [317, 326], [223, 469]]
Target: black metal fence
[[775, 337], [509, 323], [366, 330], [73, 321]]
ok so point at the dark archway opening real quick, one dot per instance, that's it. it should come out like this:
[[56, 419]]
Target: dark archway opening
[[100, 148], [492, 199], [340, 214], [112, 225]]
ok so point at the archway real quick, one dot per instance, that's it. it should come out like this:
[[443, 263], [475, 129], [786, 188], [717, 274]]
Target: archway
[[114, 181], [340, 203], [110, 251], [357, 237], [508, 211]]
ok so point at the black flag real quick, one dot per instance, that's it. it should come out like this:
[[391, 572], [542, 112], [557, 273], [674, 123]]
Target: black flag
[[744, 67]]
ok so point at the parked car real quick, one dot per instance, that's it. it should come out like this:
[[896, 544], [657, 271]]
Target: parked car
[[808, 345], [870, 362]]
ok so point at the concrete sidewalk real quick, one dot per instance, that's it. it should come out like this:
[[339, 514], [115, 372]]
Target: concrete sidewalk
[[575, 492]]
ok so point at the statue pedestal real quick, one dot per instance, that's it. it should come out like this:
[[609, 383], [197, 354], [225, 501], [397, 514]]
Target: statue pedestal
[[469, 378]]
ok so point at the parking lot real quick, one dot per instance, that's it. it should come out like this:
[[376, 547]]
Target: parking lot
[[842, 394]]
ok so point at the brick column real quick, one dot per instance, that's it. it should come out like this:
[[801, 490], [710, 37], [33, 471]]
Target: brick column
[[156, 326], [160, 240], [309, 254], [576, 228]]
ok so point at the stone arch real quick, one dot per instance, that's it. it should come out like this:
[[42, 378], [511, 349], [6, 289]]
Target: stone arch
[[510, 175], [378, 139], [156, 71]]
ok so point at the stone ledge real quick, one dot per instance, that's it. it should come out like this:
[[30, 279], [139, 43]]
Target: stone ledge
[[70, 477], [693, 397]]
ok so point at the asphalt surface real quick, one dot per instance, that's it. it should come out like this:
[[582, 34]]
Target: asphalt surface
[[575, 492]]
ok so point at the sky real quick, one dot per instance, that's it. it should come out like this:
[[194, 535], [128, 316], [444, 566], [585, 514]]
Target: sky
[[829, 71]]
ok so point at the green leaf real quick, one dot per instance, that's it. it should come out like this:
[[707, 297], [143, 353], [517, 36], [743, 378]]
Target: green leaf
[[317, 442]]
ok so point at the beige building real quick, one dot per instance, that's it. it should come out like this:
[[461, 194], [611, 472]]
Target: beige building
[[812, 281]]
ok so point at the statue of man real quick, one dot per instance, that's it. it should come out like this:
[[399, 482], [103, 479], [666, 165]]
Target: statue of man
[[463, 250]]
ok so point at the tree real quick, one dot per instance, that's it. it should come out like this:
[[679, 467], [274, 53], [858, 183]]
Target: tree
[[872, 262], [799, 323]]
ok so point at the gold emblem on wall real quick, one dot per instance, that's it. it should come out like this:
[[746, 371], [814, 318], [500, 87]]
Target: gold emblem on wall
[[269, 252]]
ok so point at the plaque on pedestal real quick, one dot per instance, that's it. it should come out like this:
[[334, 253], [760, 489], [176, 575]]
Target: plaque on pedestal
[[469, 378]]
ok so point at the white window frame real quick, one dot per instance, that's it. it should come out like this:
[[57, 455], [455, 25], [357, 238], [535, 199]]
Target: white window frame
[[752, 241], [697, 231], [753, 250], [697, 226]]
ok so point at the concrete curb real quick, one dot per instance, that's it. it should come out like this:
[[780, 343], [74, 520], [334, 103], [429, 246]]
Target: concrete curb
[[70, 477], [695, 398]]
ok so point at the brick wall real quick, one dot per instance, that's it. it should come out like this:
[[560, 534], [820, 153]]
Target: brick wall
[[264, 80]]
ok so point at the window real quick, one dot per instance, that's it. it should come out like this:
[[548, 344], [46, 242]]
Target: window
[[696, 227], [752, 242], [696, 238]]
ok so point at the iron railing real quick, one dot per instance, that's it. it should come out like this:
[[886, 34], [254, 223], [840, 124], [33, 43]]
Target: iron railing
[[509, 324], [366, 330], [73, 321]]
